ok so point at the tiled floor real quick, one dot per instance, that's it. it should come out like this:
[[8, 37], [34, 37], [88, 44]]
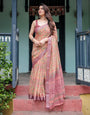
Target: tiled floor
[[46, 113], [69, 78]]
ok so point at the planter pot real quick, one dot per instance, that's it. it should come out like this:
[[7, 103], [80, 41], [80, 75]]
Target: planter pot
[[1, 113]]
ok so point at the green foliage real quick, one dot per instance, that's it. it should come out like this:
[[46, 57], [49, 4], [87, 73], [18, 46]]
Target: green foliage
[[6, 90], [5, 64]]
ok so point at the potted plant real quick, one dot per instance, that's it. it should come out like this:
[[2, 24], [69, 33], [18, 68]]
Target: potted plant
[[6, 90]]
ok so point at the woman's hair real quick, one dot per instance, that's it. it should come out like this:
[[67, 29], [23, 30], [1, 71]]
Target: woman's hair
[[48, 16]]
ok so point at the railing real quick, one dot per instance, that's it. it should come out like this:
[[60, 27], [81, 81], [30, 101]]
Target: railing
[[6, 37], [82, 44]]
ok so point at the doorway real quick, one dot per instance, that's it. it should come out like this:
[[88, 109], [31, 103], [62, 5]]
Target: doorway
[[60, 24]]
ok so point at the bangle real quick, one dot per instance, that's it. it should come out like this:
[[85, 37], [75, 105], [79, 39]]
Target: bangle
[[32, 39]]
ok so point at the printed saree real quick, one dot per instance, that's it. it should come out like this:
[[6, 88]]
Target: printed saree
[[46, 78]]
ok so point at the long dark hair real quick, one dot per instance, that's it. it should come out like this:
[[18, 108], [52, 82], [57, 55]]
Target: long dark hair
[[48, 16]]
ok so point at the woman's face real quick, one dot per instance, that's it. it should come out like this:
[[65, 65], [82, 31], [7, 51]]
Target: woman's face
[[41, 11]]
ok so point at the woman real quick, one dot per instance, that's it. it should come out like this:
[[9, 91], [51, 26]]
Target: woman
[[46, 79]]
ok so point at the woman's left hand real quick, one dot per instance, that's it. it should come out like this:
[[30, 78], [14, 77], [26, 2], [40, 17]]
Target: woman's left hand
[[42, 42]]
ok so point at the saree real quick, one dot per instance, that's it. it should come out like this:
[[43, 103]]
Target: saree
[[46, 78]]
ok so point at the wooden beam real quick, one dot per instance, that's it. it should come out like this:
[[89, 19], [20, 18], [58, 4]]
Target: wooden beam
[[79, 15], [13, 40], [55, 10]]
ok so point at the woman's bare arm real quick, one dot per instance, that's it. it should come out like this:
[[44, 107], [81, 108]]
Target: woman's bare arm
[[32, 32]]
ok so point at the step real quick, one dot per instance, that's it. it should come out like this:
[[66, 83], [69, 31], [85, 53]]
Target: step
[[74, 90], [46, 113], [22, 103]]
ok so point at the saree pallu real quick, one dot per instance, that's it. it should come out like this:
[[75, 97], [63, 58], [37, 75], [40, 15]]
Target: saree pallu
[[46, 79]]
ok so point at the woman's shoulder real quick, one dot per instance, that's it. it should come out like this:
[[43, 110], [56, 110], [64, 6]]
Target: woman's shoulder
[[34, 22]]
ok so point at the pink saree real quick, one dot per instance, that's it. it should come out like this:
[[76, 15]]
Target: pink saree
[[46, 79]]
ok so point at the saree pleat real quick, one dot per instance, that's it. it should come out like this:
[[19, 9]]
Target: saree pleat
[[37, 80], [46, 78]]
